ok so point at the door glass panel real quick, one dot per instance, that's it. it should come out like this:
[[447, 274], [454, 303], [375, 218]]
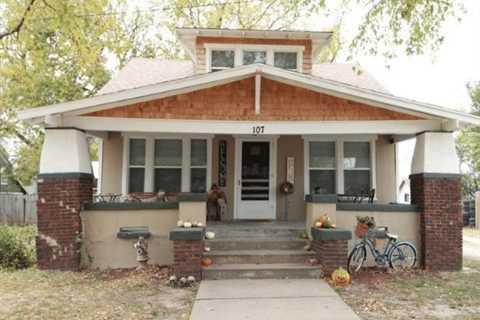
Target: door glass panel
[[255, 171]]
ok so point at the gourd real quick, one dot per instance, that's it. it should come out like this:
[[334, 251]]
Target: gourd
[[206, 262], [340, 277]]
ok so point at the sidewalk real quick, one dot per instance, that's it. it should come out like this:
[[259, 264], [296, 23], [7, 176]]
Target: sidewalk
[[304, 299]]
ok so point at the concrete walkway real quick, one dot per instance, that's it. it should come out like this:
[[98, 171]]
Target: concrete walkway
[[304, 299], [471, 247]]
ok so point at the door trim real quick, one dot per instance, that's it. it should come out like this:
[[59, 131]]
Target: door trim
[[238, 167]]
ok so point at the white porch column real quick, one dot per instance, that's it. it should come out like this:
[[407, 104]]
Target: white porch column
[[65, 151], [64, 184], [435, 153], [435, 189]]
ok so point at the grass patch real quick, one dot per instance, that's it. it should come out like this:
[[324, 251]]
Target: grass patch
[[416, 295], [35, 294]]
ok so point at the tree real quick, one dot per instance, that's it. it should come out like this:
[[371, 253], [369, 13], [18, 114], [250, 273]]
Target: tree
[[468, 148], [53, 51]]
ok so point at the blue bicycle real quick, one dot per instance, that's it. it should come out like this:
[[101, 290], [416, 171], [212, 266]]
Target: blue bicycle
[[399, 255]]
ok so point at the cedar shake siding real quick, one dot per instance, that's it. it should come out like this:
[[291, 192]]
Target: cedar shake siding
[[201, 51], [236, 100]]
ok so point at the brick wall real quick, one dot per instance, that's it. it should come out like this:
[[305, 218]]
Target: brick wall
[[201, 51], [187, 257], [236, 100], [331, 254], [60, 197], [438, 198]]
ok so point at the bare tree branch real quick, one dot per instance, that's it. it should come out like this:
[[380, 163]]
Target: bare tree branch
[[19, 25]]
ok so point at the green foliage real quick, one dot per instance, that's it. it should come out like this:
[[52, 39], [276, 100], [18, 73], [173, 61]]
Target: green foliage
[[468, 148], [17, 247], [60, 53], [409, 25]]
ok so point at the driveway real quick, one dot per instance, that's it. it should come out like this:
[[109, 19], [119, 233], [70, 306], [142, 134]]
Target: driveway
[[304, 299]]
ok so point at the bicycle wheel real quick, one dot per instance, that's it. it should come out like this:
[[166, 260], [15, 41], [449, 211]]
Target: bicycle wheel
[[403, 256], [356, 259]]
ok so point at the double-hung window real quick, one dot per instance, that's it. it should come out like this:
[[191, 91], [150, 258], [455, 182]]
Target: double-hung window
[[357, 167], [168, 165], [322, 167], [136, 165], [222, 59]]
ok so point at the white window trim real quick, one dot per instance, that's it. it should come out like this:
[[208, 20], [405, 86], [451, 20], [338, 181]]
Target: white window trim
[[149, 158], [339, 142], [239, 48]]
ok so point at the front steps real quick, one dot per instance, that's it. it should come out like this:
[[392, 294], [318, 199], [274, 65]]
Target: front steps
[[258, 250]]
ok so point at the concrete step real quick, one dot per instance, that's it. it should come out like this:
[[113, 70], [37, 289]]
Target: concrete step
[[259, 256], [256, 233], [261, 271], [255, 244]]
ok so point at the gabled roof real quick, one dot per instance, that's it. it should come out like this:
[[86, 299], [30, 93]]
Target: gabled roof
[[140, 72], [201, 81]]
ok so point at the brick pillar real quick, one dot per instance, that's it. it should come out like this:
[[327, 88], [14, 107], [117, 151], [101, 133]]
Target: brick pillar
[[331, 248], [435, 189], [60, 197], [188, 246], [331, 254], [439, 201], [187, 257], [65, 183]]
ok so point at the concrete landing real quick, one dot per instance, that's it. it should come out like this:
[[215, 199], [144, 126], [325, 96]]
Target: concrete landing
[[302, 299]]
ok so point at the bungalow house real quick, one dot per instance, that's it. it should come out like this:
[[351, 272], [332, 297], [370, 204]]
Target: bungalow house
[[248, 112]]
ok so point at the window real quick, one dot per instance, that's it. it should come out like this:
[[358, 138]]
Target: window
[[198, 165], [250, 57], [136, 165], [285, 60], [322, 164], [222, 59], [357, 165], [168, 165]]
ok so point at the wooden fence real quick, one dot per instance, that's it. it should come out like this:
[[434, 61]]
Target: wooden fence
[[18, 208]]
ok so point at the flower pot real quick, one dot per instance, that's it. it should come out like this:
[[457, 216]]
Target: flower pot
[[361, 229]]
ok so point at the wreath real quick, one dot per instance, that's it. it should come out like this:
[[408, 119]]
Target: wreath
[[286, 187]]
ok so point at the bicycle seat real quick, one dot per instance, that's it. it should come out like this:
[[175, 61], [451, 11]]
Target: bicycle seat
[[391, 236]]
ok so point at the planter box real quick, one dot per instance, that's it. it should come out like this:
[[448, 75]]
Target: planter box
[[188, 234], [331, 234]]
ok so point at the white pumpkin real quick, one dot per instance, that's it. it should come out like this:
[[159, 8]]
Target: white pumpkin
[[207, 249], [179, 223], [209, 235], [187, 224], [191, 279], [199, 224]]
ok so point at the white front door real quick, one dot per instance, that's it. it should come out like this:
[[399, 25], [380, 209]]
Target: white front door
[[255, 188]]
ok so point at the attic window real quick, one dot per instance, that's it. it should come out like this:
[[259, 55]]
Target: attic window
[[286, 60], [250, 57], [222, 59]]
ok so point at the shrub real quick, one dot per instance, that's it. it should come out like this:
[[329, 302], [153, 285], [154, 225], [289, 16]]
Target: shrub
[[17, 247]]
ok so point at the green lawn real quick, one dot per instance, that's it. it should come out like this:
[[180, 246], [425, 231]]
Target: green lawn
[[416, 295], [35, 294]]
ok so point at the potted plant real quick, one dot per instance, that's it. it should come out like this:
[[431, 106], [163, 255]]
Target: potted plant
[[364, 223]]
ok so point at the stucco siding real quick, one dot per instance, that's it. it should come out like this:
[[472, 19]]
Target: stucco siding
[[102, 249], [290, 146], [112, 163], [385, 171]]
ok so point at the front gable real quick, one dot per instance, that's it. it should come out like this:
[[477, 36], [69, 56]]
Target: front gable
[[236, 101]]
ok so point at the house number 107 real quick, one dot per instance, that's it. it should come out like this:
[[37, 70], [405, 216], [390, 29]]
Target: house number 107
[[258, 129]]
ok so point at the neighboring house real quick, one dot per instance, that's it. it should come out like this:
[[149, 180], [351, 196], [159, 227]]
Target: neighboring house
[[8, 184], [404, 191], [248, 112]]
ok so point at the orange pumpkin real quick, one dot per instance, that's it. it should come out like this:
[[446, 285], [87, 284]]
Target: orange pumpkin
[[340, 277], [323, 219], [206, 262]]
